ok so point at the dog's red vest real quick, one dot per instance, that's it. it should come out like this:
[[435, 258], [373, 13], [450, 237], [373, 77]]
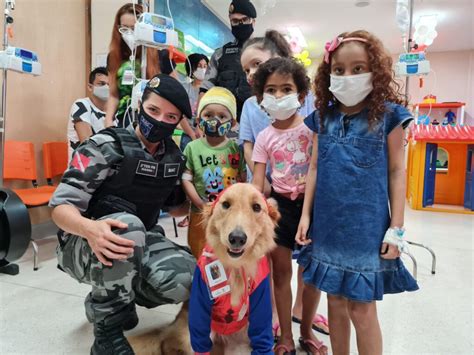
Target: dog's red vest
[[226, 319]]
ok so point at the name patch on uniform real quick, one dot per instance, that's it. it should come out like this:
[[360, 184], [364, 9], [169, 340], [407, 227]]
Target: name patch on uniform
[[147, 168], [171, 170], [232, 50]]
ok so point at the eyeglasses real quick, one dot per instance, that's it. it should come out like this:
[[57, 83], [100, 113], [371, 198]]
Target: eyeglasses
[[242, 21], [125, 29]]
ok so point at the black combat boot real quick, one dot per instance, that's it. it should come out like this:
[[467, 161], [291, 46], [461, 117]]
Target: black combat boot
[[109, 338], [131, 319]]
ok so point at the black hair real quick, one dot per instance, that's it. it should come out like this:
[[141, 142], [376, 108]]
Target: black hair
[[146, 94], [273, 41], [95, 72], [166, 65], [282, 66], [194, 60]]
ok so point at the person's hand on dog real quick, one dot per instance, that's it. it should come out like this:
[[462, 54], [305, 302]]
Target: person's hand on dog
[[105, 244], [389, 251], [302, 232]]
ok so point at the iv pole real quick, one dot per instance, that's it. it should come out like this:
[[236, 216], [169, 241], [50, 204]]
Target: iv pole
[[146, 6], [408, 48], [15, 225], [7, 20]]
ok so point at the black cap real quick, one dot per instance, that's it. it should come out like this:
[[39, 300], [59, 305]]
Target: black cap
[[244, 7], [194, 60], [171, 89]]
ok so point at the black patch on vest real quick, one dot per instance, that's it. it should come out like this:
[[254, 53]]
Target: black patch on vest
[[171, 170], [232, 50], [147, 168]]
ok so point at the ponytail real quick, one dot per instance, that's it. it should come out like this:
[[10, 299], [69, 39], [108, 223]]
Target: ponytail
[[273, 42]]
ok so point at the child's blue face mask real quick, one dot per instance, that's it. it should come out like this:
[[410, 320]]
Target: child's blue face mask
[[214, 127]]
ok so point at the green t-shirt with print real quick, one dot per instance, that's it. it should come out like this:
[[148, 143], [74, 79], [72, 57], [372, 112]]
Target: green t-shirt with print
[[213, 168]]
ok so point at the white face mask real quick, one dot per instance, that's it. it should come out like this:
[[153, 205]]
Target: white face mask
[[200, 73], [352, 89], [101, 92], [128, 37], [280, 109]]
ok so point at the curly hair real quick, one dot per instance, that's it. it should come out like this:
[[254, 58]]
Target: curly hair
[[385, 86], [282, 66]]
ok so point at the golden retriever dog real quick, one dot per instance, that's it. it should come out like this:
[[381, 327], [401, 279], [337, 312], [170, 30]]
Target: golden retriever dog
[[240, 226]]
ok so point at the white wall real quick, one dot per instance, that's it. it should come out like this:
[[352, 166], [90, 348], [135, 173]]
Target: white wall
[[38, 107], [102, 19]]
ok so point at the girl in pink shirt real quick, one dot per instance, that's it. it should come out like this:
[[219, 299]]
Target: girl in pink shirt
[[281, 87]]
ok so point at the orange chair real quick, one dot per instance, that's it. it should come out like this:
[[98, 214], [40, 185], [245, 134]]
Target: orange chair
[[55, 159], [20, 164]]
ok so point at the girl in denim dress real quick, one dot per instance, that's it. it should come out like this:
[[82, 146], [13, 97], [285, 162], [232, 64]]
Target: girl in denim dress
[[281, 85], [355, 193]]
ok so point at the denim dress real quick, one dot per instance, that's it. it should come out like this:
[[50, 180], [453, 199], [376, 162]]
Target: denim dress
[[351, 208]]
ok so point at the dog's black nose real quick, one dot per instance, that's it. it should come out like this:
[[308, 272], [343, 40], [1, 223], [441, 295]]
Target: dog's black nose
[[237, 238]]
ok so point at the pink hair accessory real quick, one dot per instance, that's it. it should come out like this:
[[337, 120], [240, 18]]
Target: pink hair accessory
[[332, 46]]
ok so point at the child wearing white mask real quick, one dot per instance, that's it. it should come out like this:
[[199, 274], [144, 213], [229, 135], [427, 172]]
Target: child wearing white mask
[[86, 117], [253, 120], [281, 86], [355, 193], [196, 66]]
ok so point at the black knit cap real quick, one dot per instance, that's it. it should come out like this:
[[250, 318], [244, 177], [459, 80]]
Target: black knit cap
[[194, 60], [171, 89], [244, 7]]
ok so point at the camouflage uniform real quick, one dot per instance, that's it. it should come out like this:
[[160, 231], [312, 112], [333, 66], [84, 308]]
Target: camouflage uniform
[[158, 272]]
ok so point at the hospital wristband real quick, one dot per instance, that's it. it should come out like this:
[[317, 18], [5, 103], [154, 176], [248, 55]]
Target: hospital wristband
[[394, 236]]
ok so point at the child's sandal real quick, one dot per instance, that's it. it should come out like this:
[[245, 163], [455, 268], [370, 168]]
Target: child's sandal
[[306, 345], [286, 348]]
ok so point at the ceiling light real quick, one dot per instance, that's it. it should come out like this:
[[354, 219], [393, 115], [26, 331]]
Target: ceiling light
[[362, 3]]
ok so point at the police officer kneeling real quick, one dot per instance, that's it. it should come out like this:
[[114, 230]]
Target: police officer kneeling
[[107, 207]]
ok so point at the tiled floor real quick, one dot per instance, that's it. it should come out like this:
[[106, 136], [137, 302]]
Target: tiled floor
[[41, 312]]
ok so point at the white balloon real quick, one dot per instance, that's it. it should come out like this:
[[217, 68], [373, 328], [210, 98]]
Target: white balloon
[[420, 39], [432, 35], [423, 30]]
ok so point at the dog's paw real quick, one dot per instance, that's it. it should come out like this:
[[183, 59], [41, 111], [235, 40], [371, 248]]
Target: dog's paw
[[175, 340]]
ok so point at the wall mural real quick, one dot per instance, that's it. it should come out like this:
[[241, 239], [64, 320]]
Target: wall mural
[[204, 31]]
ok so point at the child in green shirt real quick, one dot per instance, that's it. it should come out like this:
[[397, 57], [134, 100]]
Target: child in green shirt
[[213, 162]]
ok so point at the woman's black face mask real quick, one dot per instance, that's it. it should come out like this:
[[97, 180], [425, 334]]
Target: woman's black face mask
[[154, 131]]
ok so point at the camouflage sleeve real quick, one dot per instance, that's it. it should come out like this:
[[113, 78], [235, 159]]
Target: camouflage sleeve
[[211, 73], [92, 162]]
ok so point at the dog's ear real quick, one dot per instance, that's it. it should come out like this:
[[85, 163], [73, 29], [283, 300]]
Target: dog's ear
[[273, 210], [206, 213]]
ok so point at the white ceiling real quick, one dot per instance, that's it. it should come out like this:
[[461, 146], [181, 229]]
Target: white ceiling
[[322, 20]]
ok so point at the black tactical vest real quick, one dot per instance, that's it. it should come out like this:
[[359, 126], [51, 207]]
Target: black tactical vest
[[142, 184], [231, 75]]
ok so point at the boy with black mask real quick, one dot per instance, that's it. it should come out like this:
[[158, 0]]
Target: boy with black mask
[[224, 68]]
